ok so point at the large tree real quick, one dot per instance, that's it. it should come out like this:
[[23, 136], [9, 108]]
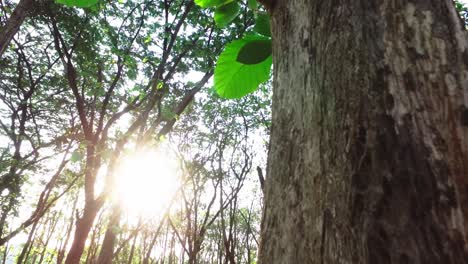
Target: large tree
[[368, 159]]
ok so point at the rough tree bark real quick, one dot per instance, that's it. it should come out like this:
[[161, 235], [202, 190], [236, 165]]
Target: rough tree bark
[[368, 158]]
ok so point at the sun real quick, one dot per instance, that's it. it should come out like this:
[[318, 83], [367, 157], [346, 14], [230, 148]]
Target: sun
[[146, 182]]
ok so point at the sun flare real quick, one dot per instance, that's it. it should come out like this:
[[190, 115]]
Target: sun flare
[[146, 182]]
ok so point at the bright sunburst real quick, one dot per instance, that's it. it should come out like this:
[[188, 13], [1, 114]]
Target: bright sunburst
[[146, 182]]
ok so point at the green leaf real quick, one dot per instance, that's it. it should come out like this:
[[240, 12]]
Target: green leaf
[[211, 3], [76, 156], [262, 24], [77, 3], [148, 39], [226, 13], [253, 4], [233, 79], [254, 51], [160, 85]]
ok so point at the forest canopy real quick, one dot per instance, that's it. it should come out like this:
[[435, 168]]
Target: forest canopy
[[114, 144]]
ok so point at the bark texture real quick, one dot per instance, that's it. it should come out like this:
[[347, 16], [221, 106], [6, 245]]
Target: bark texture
[[368, 157]]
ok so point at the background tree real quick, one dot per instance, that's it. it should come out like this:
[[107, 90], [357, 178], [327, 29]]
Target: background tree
[[81, 88]]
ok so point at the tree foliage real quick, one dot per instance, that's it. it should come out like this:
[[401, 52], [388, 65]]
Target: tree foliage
[[82, 84]]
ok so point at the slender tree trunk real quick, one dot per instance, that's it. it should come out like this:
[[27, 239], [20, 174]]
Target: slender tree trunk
[[5, 211], [36, 243], [93, 245], [107, 250], [6, 247], [83, 227], [147, 257], [34, 257], [132, 251], [220, 249], [97, 243], [14, 22], [50, 227], [368, 158], [170, 259], [166, 238], [247, 238], [28, 242], [63, 248]]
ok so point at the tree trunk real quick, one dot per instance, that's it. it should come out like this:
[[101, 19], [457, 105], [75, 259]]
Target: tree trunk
[[14, 22], [107, 249], [50, 229], [83, 226], [132, 251], [63, 248], [93, 245], [6, 209], [27, 244], [5, 253], [368, 158]]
